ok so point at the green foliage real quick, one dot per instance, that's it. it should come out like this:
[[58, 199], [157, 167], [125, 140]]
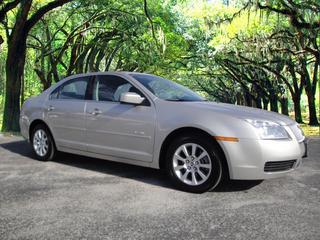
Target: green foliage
[[248, 52]]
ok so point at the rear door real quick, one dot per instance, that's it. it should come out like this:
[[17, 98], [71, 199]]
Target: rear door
[[66, 113], [118, 129]]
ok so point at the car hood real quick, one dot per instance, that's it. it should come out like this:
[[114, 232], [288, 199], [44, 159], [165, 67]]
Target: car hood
[[242, 112]]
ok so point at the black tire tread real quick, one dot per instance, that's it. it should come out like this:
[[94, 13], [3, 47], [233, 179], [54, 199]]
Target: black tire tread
[[52, 148], [216, 159]]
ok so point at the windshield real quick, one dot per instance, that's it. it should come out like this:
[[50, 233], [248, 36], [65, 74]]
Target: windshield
[[165, 89]]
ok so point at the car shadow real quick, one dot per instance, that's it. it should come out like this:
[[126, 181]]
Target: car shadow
[[147, 175], [237, 185]]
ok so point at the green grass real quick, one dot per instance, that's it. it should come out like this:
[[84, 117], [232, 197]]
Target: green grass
[[310, 131]]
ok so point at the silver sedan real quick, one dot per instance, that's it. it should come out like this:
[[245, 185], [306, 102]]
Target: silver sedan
[[146, 120]]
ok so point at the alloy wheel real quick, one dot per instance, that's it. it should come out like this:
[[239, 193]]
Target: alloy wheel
[[192, 164], [40, 142]]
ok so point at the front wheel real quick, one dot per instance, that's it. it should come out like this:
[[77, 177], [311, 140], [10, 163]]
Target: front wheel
[[42, 143], [194, 164]]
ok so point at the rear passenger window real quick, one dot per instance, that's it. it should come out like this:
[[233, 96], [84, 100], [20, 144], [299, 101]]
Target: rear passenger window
[[73, 89]]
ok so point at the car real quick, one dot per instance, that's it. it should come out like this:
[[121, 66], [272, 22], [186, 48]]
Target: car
[[146, 120]]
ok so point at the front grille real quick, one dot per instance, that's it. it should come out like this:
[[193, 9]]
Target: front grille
[[279, 166]]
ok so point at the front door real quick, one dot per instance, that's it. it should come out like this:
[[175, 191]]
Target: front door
[[117, 129]]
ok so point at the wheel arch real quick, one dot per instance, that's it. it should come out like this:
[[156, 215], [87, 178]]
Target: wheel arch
[[36, 122], [190, 131]]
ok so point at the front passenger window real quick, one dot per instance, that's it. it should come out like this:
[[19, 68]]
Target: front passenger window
[[109, 88]]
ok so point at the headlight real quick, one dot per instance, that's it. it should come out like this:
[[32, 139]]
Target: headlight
[[269, 130]]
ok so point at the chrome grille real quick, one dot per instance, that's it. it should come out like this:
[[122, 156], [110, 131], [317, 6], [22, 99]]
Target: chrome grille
[[279, 166]]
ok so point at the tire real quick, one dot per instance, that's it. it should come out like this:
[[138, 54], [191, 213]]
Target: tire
[[183, 170], [42, 143]]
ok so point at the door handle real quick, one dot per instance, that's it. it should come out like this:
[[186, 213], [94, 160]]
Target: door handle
[[50, 108], [96, 111]]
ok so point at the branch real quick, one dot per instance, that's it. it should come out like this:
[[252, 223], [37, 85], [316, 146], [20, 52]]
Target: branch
[[42, 11], [151, 23], [293, 15], [277, 10], [234, 15], [270, 70], [7, 7]]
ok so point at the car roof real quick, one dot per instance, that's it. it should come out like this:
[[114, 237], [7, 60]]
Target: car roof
[[64, 80], [110, 72], [119, 73]]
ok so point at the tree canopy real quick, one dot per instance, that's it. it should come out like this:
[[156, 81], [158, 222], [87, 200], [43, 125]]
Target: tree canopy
[[259, 53]]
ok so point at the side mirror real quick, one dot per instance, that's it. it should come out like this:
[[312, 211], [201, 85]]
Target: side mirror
[[131, 98]]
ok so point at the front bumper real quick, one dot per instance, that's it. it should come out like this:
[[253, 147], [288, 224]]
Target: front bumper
[[248, 157]]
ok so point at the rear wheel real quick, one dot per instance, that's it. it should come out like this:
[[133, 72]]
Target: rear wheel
[[194, 164], [42, 143]]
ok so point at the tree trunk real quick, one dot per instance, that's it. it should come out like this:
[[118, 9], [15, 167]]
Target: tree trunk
[[258, 103], [313, 121], [247, 99], [239, 99], [16, 55], [274, 104], [265, 103], [14, 70], [1, 40], [310, 88], [22, 89], [2, 80], [284, 106], [297, 108]]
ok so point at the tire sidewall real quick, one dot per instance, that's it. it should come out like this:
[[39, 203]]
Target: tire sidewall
[[216, 171], [51, 148]]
